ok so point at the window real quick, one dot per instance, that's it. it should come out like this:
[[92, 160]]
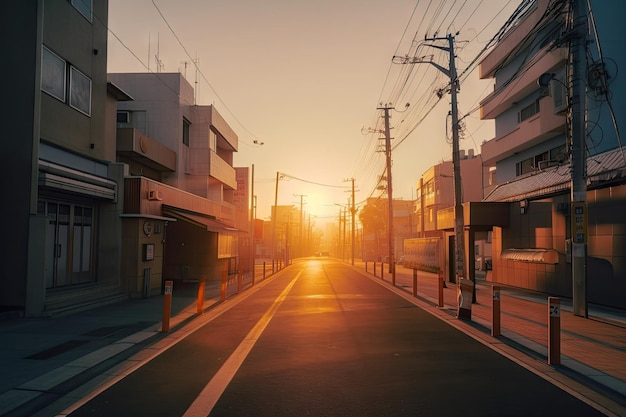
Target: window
[[52, 74], [558, 154], [123, 117], [80, 91], [55, 73], [528, 111], [85, 7], [541, 157], [186, 126], [492, 175], [524, 167]]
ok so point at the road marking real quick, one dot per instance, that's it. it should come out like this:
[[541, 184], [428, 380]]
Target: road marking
[[206, 400]]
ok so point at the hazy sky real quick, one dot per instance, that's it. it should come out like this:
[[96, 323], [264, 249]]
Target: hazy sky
[[305, 78]]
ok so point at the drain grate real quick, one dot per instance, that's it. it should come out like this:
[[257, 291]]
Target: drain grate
[[57, 350]]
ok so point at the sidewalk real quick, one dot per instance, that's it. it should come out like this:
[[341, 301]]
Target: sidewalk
[[593, 350], [44, 359]]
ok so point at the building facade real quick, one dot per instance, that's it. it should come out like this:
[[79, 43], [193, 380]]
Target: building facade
[[180, 217], [434, 209], [62, 188], [527, 165]]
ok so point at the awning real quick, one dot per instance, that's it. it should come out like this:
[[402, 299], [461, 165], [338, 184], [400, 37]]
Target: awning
[[68, 179], [198, 219], [542, 256]]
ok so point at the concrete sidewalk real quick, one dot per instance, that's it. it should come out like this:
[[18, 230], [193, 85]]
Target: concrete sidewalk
[[593, 350], [43, 359]]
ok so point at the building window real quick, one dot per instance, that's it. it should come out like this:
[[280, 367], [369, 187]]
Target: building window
[[53, 74], [85, 7], [524, 167], [528, 111], [186, 126], [123, 117], [80, 91], [559, 154], [492, 175]]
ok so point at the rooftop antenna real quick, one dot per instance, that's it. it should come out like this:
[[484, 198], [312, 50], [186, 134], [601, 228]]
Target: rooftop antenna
[[157, 58], [196, 62]]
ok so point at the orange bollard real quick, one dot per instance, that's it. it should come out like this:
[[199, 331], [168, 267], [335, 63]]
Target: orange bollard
[[201, 285], [440, 285], [495, 311], [263, 269], [414, 282], [554, 330], [224, 277], [167, 306]]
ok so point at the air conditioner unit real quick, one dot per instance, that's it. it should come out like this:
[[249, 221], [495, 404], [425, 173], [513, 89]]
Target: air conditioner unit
[[155, 196]]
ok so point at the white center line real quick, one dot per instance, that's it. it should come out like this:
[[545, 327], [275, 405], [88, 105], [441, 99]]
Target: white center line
[[206, 400]]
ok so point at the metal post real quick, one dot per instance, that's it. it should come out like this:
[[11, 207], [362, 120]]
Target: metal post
[[224, 278], [167, 306], [554, 331], [495, 311], [200, 303], [440, 285]]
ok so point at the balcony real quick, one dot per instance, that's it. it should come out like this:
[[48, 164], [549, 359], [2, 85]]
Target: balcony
[[526, 134], [222, 171], [136, 145], [143, 196], [511, 40], [499, 101]]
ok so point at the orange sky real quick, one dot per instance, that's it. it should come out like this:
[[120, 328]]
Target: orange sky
[[305, 78]]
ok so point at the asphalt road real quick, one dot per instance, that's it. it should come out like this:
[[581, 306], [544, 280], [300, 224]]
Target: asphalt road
[[322, 339]]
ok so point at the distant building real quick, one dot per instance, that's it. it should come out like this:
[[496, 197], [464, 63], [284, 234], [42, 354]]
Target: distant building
[[179, 191], [527, 164], [434, 207]]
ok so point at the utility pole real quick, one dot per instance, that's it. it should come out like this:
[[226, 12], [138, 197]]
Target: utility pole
[[274, 219], [392, 269], [353, 212], [252, 218], [577, 94], [465, 308], [300, 244]]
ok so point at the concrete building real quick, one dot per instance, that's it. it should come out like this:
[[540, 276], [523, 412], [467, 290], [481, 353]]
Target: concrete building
[[527, 165], [434, 208], [61, 192], [180, 219]]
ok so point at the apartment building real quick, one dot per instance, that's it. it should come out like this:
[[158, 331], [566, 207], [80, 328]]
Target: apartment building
[[527, 164], [61, 189], [180, 218], [434, 211]]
